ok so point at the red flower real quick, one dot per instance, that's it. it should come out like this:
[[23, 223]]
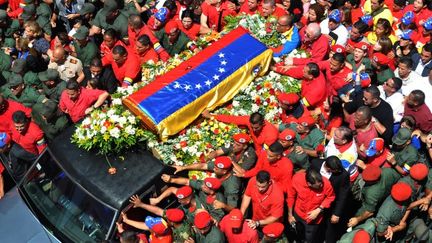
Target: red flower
[[216, 131], [268, 100], [229, 107], [107, 124], [112, 170], [258, 87], [258, 101], [209, 145], [272, 92], [296, 11], [202, 158], [320, 148], [183, 144], [194, 177], [182, 132]]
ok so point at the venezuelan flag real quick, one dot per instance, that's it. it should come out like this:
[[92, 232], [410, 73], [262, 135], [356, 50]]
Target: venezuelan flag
[[205, 81]]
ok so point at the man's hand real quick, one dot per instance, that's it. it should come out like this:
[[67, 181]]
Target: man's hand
[[312, 215], [123, 216], [88, 110], [154, 201], [189, 240], [389, 233], [218, 204], [289, 61], [353, 222], [299, 150], [120, 228], [177, 168], [424, 203], [334, 219], [239, 172], [206, 114], [391, 158], [361, 164], [166, 178], [252, 223], [136, 201], [291, 219]]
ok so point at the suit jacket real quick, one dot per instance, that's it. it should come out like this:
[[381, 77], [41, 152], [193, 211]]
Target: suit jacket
[[416, 60]]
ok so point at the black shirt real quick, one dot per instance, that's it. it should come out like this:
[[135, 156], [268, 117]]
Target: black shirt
[[107, 80]]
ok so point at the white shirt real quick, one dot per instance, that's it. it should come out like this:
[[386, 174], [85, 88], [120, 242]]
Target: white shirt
[[340, 31], [426, 87], [412, 82], [420, 67], [395, 101]]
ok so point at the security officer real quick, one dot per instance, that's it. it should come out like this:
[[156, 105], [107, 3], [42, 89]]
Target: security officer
[[8, 26], [85, 49], [49, 118], [19, 67], [52, 85], [110, 17], [378, 183], [308, 136], [68, 66], [16, 90], [287, 139], [173, 39], [403, 154], [207, 231], [362, 233], [274, 233]]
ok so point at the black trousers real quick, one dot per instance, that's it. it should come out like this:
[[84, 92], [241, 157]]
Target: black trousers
[[20, 161], [307, 233]]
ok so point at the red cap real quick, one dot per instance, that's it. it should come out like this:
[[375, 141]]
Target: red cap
[[362, 45], [338, 49], [381, 59], [371, 173], [419, 171], [361, 236], [184, 192], [212, 183], [202, 220], [306, 121], [273, 230], [175, 215], [288, 98], [170, 26], [160, 229], [235, 218], [287, 134], [223, 162], [401, 191], [242, 138]]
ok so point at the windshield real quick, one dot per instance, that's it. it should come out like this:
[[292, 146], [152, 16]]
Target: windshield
[[74, 214]]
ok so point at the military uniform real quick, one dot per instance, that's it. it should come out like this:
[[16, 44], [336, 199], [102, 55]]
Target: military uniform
[[373, 195], [385, 75], [71, 68], [13, 26], [182, 232], [366, 62], [176, 48], [217, 214], [190, 212], [87, 53], [311, 140], [5, 62], [213, 236], [54, 93], [120, 23], [390, 214], [55, 121], [29, 96], [369, 226], [407, 157], [231, 187], [300, 161], [246, 159]]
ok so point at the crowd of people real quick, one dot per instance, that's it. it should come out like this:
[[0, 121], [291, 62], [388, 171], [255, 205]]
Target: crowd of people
[[349, 163]]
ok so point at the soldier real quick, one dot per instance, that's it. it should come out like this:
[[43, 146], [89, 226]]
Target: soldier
[[52, 85], [22, 93], [49, 118], [110, 17], [308, 136], [68, 66], [287, 140], [403, 154], [274, 233], [85, 49], [207, 231]]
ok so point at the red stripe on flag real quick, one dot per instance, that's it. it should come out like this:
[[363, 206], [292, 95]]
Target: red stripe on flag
[[185, 67]]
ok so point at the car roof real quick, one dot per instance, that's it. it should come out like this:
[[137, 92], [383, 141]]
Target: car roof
[[137, 170]]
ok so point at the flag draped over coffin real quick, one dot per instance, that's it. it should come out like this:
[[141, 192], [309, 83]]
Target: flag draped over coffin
[[209, 79]]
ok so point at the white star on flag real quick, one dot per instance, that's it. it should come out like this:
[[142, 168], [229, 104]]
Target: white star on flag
[[216, 77], [221, 70], [176, 85], [223, 63], [198, 86], [221, 55], [208, 82], [187, 87]]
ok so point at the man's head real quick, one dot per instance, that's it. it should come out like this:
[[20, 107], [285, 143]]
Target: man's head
[[415, 99], [3, 104], [21, 121], [404, 67], [288, 101], [263, 181], [241, 142], [81, 35], [337, 62], [392, 85], [333, 164], [96, 67], [73, 89], [211, 185], [287, 138], [252, 5], [305, 124], [222, 166], [371, 96], [203, 222], [401, 139], [59, 55], [311, 71], [172, 31], [142, 44], [284, 23], [335, 18], [360, 51], [184, 195], [376, 4], [16, 84], [111, 10], [135, 22], [314, 179], [50, 77], [426, 54], [257, 122], [343, 135], [312, 32], [362, 117], [236, 220], [119, 54], [272, 232], [274, 152], [110, 38], [268, 7]]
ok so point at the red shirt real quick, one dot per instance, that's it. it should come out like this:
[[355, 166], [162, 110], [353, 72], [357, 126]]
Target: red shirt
[[356, 14], [244, 9], [76, 109], [265, 204], [268, 135], [149, 54], [213, 15], [380, 160], [106, 52], [1, 168], [6, 116], [363, 137], [32, 140], [128, 71], [133, 35], [423, 117], [422, 15], [247, 234], [193, 32], [280, 171], [318, 50], [335, 81], [278, 12], [304, 199]]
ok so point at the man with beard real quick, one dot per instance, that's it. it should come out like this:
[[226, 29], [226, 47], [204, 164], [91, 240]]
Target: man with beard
[[403, 154], [415, 106], [263, 133], [108, 17], [77, 101], [422, 63]]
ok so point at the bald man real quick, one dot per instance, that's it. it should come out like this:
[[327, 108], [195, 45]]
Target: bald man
[[68, 66], [290, 33]]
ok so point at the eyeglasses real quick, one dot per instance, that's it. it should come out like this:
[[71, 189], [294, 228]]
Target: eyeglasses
[[388, 85], [279, 24]]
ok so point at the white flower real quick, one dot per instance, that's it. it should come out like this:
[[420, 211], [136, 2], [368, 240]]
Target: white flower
[[192, 149], [254, 108], [111, 112], [117, 101], [179, 163], [114, 118], [151, 144], [177, 146], [262, 32], [131, 120], [235, 103], [130, 89], [86, 122], [115, 132], [130, 130], [122, 121], [103, 129], [303, 55]]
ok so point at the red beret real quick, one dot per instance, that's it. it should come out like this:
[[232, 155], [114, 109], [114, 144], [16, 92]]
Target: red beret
[[288, 98], [242, 138], [184, 192], [306, 121], [381, 59], [175, 215], [338, 49], [287, 134], [362, 45], [419, 171], [202, 220], [235, 218], [273, 230], [160, 228], [223, 162], [401, 191], [212, 183], [371, 173], [361, 236], [170, 26]]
